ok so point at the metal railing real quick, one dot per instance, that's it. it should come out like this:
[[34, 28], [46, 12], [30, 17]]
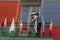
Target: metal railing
[[24, 33]]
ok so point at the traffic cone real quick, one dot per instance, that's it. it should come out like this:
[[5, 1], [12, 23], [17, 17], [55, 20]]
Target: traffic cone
[[21, 26]]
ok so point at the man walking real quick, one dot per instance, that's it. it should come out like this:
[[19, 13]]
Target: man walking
[[35, 25]]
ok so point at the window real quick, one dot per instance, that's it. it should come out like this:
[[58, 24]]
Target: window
[[31, 1]]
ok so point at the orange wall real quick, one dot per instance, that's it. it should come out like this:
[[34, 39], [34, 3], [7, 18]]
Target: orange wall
[[9, 10]]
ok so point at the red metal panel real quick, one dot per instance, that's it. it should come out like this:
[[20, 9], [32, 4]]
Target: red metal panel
[[9, 10], [47, 32], [56, 33]]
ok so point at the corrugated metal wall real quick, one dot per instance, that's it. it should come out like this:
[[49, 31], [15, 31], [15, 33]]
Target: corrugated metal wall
[[9, 9], [52, 10]]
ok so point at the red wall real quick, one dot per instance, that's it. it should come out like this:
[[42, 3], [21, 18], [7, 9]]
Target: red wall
[[47, 32], [9, 10], [56, 33]]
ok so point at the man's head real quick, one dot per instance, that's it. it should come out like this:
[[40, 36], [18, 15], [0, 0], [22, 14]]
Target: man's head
[[34, 15], [37, 14]]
